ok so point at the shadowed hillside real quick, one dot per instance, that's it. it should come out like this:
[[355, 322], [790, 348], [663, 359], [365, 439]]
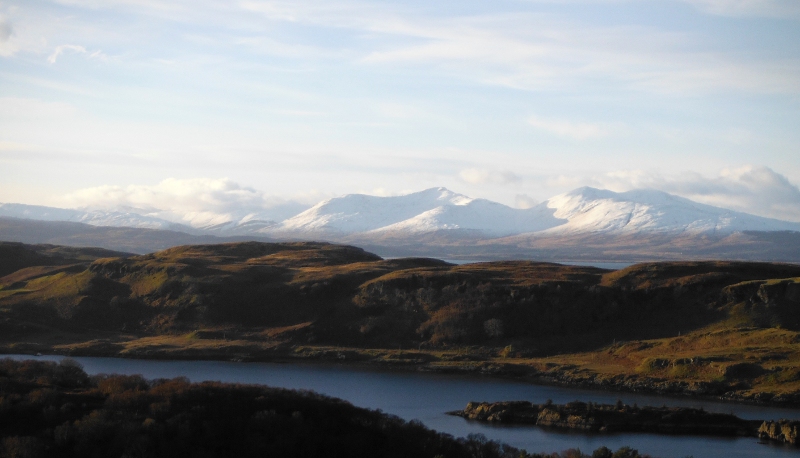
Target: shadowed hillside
[[259, 300], [132, 239], [16, 256], [57, 410]]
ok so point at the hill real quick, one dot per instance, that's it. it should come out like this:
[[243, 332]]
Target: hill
[[128, 239], [16, 256], [716, 328]]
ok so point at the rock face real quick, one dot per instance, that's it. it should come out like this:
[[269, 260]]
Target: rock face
[[781, 431], [619, 418]]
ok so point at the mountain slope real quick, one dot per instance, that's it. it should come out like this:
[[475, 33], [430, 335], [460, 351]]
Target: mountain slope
[[196, 223], [584, 210], [584, 224], [595, 210], [91, 217], [430, 210], [128, 239]]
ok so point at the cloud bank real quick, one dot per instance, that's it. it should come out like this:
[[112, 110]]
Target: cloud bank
[[488, 176], [752, 189], [203, 202], [198, 202]]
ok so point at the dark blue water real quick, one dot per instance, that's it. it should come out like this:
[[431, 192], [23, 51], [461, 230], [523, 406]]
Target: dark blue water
[[600, 264], [426, 397]]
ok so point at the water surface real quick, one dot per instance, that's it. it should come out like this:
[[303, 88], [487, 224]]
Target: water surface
[[615, 265], [426, 397]]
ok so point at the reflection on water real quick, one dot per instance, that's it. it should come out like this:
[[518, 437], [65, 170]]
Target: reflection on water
[[426, 397]]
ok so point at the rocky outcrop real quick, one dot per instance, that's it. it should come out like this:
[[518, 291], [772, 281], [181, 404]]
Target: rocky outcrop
[[781, 431], [613, 418]]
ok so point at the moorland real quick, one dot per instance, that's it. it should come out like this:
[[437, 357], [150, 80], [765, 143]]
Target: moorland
[[727, 330]]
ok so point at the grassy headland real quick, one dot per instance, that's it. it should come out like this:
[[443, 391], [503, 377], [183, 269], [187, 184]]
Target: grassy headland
[[721, 329]]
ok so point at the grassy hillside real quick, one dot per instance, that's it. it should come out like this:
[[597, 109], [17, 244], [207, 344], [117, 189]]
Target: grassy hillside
[[706, 327], [130, 239], [16, 256]]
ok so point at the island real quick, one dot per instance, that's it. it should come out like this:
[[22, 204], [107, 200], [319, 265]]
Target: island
[[619, 417]]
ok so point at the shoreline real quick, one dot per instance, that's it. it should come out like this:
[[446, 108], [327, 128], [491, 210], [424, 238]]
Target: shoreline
[[621, 418], [380, 359]]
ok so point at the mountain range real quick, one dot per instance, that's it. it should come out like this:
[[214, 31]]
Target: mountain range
[[586, 222]]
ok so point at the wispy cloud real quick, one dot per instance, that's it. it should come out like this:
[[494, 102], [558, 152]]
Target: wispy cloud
[[5, 30], [535, 52], [518, 49], [400, 95], [564, 128], [7, 47], [524, 201], [488, 176], [763, 8], [76, 49]]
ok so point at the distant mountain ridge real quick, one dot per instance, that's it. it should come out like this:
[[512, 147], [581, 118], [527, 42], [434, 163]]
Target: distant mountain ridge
[[91, 217], [584, 210], [584, 224], [645, 210], [138, 218], [431, 210]]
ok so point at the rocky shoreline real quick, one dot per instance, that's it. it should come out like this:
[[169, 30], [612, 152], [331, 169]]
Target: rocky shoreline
[[592, 417], [713, 390]]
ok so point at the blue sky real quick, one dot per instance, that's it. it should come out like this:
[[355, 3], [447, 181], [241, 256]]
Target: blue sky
[[202, 104]]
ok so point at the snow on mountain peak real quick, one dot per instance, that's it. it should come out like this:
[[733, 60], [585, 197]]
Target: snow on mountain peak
[[598, 210], [583, 210], [425, 211], [362, 213]]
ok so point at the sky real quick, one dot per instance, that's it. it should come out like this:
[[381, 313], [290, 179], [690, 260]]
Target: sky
[[200, 105]]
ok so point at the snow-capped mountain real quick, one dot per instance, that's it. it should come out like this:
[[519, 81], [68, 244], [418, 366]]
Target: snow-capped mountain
[[430, 210], [192, 222], [358, 217], [584, 210], [91, 217], [590, 210]]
